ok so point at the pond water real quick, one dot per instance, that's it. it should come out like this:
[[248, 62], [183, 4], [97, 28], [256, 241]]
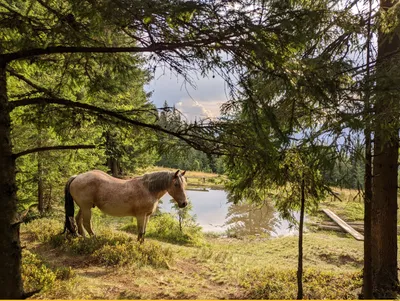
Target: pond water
[[215, 214]]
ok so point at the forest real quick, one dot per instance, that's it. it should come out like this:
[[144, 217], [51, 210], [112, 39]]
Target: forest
[[311, 109]]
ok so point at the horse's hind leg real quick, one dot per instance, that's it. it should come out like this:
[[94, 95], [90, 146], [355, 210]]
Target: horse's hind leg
[[87, 215], [79, 219]]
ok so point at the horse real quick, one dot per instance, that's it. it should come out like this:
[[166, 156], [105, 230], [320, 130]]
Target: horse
[[136, 197]]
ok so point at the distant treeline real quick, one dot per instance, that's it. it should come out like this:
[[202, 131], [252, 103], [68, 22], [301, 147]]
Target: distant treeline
[[192, 160]]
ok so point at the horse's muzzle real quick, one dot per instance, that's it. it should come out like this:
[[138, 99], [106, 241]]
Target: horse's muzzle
[[183, 205]]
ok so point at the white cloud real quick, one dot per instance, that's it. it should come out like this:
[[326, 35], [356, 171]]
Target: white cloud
[[193, 109], [198, 102]]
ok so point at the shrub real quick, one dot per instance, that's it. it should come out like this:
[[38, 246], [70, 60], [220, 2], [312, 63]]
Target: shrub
[[109, 247], [35, 275], [165, 227], [282, 284], [147, 254], [44, 229], [64, 273]]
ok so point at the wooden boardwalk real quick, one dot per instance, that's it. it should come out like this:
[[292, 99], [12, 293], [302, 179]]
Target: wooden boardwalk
[[343, 224]]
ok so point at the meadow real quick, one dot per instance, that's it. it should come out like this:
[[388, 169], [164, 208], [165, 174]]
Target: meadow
[[190, 264]]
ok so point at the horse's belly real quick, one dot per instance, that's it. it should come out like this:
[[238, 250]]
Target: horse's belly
[[117, 210]]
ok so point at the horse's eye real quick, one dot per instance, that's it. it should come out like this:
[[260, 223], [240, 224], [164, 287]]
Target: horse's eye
[[176, 184]]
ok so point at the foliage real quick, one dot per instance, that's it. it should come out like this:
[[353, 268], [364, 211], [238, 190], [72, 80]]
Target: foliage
[[165, 227], [44, 229], [176, 155], [109, 247], [185, 219], [35, 275], [47, 126], [146, 254], [281, 284], [301, 168]]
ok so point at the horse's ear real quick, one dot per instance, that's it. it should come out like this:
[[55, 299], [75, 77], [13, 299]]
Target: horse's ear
[[183, 172], [176, 174]]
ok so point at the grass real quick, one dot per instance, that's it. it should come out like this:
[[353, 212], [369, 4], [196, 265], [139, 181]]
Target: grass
[[170, 266], [166, 228], [282, 284], [114, 266], [108, 248], [348, 204]]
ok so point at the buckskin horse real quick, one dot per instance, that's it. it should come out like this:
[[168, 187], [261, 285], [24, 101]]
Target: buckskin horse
[[136, 197]]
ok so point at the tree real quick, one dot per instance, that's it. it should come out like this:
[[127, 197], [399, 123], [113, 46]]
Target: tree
[[385, 161], [79, 37]]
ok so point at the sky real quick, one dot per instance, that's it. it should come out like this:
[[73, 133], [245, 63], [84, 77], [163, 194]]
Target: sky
[[203, 100]]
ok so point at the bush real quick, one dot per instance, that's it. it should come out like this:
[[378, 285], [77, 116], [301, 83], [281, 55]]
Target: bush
[[109, 247], [165, 227], [35, 275], [141, 255], [64, 273], [88, 245], [44, 229], [282, 284]]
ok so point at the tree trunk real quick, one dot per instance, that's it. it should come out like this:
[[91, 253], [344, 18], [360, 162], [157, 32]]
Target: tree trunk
[[367, 289], [300, 261], [367, 277], [114, 167], [10, 250], [386, 144], [40, 184]]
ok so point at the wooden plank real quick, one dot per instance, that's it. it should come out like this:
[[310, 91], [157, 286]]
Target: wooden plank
[[343, 224]]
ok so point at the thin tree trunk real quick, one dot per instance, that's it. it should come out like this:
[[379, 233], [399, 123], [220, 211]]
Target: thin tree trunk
[[367, 277], [300, 261], [40, 187], [10, 250], [386, 144], [40, 177]]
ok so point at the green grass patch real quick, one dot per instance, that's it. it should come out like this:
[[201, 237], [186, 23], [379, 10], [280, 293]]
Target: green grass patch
[[282, 284], [121, 254], [166, 228], [109, 247]]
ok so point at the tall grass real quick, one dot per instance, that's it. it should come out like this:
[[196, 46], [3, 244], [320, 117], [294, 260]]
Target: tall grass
[[109, 247], [166, 228], [282, 284]]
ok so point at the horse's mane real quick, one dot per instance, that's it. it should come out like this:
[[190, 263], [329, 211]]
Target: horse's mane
[[158, 181]]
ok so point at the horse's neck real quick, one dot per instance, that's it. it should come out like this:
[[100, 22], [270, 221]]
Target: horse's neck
[[156, 184], [158, 195]]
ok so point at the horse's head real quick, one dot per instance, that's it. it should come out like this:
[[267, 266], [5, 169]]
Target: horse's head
[[177, 189]]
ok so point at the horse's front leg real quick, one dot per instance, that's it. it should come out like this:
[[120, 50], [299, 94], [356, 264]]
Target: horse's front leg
[[142, 223]]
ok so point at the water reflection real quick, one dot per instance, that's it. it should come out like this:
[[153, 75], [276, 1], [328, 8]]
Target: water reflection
[[248, 219], [215, 214]]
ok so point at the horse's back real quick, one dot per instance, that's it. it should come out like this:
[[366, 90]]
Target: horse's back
[[92, 184], [111, 195]]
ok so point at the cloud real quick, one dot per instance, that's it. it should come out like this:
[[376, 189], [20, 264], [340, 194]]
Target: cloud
[[195, 110], [203, 100]]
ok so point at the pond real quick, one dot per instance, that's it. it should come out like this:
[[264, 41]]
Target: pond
[[215, 214]]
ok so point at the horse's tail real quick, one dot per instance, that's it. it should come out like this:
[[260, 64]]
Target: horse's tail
[[69, 209]]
